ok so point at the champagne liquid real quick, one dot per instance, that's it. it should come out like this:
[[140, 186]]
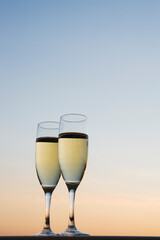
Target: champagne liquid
[[73, 154], [47, 164]]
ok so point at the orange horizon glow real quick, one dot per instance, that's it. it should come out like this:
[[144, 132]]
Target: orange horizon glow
[[114, 215]]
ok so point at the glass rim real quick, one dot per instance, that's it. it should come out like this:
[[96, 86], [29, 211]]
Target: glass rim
[[53, 122], [73, 114]]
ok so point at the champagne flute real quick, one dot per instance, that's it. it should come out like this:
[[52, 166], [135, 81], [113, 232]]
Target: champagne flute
[[47, 165], [73, 153]]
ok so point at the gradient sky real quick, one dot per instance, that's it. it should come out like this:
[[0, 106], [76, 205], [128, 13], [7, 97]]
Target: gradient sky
[[96, 57]]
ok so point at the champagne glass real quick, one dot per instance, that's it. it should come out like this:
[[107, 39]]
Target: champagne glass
[[73, 153], [47, 165]]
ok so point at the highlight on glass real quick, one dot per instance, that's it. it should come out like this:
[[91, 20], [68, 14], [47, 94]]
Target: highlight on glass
[[73, 154], [47, 165]]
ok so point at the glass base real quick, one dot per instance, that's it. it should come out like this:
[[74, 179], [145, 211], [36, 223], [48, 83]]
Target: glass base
[[45, 233], [72, 232]]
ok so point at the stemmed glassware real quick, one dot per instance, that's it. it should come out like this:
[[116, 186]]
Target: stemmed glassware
[[47, 165], [73, 153]]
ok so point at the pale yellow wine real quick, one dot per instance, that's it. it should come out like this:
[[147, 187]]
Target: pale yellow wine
[[47, 164], [73, 154]]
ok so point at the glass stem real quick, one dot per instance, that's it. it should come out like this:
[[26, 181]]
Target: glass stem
[[47, 214], [71, 222]]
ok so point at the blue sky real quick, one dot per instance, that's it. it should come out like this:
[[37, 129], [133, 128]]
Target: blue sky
[[99, 58]]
